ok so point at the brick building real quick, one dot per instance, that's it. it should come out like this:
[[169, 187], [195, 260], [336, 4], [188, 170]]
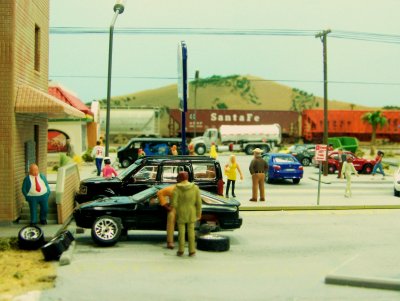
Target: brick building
[[25, 104]]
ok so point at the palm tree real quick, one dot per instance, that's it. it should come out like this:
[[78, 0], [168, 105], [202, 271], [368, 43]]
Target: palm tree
[[375, 119]]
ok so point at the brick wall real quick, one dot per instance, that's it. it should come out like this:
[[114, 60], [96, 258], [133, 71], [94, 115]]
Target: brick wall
[[17, 60]]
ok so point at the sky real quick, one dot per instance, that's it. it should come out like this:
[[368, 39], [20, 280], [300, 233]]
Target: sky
[[363, 48]]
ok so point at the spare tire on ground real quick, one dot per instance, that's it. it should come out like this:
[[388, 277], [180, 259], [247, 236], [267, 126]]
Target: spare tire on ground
[[212, 242], [30, 238], [54, 248]]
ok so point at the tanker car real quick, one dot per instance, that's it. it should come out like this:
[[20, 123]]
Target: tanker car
[[239, 138]]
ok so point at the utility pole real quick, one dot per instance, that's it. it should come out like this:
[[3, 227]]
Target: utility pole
[[322, 35], [196, 78]]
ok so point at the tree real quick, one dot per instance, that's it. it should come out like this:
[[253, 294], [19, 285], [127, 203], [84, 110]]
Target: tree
[[302, 100], [375, 119]]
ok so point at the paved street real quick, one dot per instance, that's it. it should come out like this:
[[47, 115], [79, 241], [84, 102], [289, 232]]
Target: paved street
[[274, 256]]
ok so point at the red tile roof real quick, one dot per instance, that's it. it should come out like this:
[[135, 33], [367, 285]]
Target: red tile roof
[[67, 97]]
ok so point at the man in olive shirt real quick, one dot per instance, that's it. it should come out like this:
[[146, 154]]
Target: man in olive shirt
[[257, 169]]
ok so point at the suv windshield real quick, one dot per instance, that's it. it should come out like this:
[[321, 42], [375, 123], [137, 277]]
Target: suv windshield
[[127, 171]]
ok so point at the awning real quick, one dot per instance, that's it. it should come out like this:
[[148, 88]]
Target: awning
[[33, 101]]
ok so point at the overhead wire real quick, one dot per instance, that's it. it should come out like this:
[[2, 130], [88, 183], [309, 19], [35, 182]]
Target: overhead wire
[[348, 35]]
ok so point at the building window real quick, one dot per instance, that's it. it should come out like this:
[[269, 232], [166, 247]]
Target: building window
[[37, 48]]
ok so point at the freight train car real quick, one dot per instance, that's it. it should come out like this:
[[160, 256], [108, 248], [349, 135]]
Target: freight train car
[[197, 122], [348, 123]]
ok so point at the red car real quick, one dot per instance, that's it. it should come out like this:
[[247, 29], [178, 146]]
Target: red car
[[361, 165]]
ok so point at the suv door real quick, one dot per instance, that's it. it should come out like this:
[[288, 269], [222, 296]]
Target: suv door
[[140, 180], [205, 175]]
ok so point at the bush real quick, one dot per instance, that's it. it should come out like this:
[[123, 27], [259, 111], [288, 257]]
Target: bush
[[64, 160], [87, 156], [8, 243]]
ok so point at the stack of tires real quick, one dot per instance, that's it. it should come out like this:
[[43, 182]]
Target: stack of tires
[[211, 242]]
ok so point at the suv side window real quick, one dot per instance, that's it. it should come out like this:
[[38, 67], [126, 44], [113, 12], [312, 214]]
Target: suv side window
[[204, 171], [146, 173], [170, 172]]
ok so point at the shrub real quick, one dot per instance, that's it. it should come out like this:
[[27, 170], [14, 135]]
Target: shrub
[[87, 156]]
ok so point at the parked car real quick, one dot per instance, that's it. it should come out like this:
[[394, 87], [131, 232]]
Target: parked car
[[282, 166], [397, 182], [296, 147], [151, 146], [149, 171], [362, 165], [304, 153], [107, 216]]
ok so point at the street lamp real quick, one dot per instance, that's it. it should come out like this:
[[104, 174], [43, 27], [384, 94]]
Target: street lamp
[[118, 9]]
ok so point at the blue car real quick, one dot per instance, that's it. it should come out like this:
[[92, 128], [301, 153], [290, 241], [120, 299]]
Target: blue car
[[283, 166]]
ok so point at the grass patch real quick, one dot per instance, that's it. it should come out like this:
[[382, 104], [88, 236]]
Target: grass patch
[[23, 271]]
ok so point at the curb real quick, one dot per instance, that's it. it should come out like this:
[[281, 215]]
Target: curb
[[66, 256], [317, 207], [379, 283]]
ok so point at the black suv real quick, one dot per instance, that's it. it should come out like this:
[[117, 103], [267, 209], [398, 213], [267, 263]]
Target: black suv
[[149, 171], [151, 147]]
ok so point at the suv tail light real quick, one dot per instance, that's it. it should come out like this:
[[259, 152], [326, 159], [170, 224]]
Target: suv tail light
[[220, 187], [301, 167], [276, 167]]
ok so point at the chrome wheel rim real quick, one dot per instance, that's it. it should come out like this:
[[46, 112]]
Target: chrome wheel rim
[[30, 233], [106, 229]]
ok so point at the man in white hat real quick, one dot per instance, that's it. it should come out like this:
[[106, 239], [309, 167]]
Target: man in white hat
[[257, 169]]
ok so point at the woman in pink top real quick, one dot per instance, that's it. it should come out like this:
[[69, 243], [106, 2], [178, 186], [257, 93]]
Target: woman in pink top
[[108, 170]]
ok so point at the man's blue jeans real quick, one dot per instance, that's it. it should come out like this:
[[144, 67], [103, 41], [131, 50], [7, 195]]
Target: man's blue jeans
[[99, 161], [43, 204]]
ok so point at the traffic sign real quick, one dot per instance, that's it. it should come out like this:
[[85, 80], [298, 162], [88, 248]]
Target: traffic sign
[[320, 152]]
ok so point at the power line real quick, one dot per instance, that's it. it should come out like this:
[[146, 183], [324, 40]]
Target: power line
[[251, 80], [350, 35]]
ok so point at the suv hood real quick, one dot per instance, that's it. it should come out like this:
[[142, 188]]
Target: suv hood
[[100, 180], [107, 202]]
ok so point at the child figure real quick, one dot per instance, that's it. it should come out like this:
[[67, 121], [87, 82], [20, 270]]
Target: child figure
[[213, 151], [108, 170], [230, 172], [347, 170], [174, 150], [141, 153]]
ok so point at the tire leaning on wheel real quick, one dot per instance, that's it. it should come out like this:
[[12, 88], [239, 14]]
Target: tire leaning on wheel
[[30, 238], [54, 248], [106, 230], [212, 242]]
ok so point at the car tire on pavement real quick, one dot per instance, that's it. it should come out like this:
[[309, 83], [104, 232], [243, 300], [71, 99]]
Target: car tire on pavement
[[331, 169], [306, 161], [212, 242], [106, 230], [30, 238], [367, 169], [296, 181], [125, 163]]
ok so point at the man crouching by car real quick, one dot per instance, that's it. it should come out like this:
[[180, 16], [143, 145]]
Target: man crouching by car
[[165, 196]]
